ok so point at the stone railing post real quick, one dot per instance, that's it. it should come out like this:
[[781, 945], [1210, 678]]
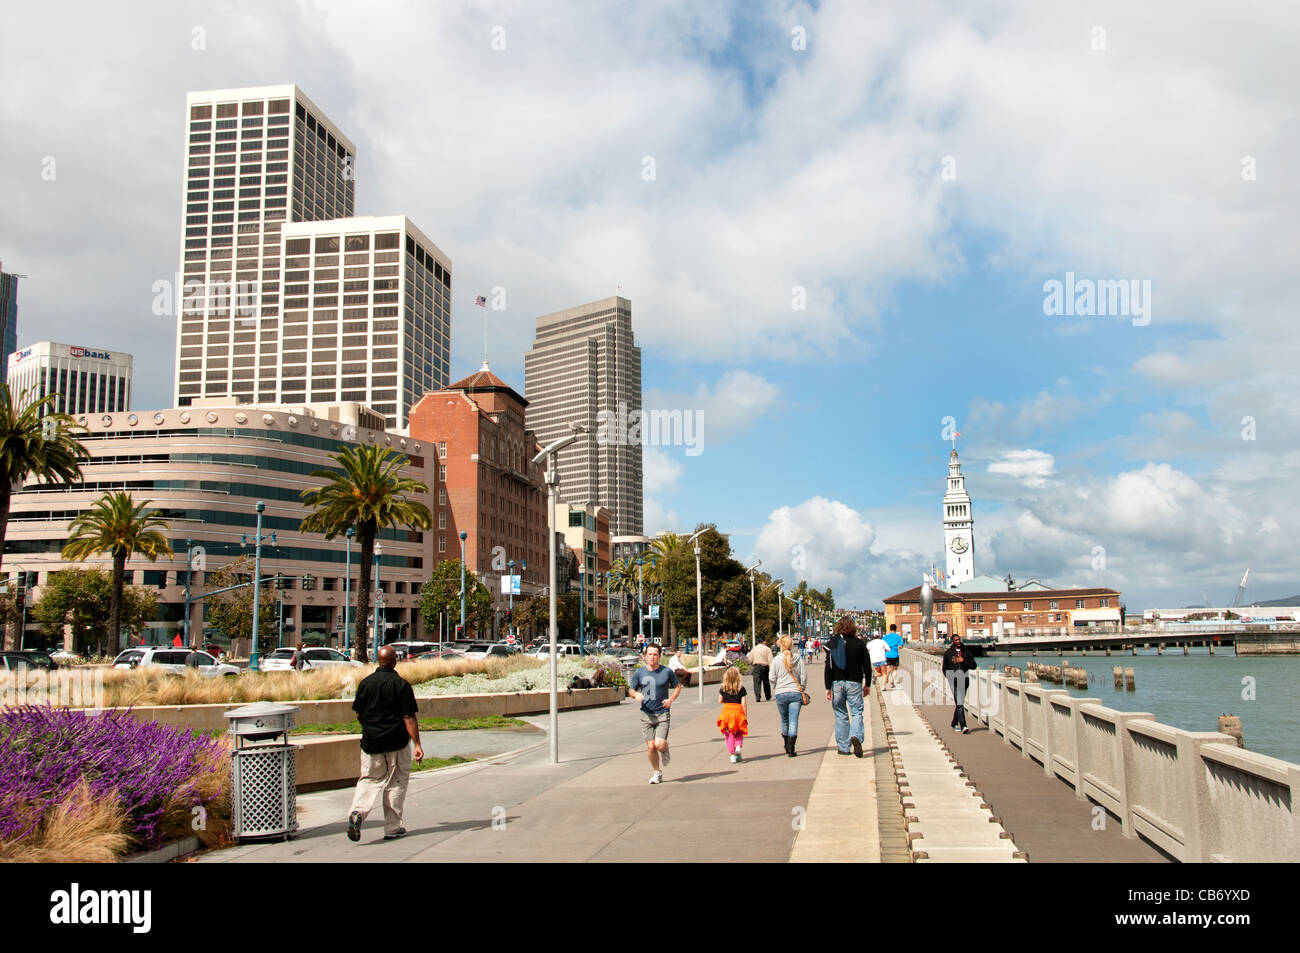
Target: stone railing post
[[1048, 695], [1076, 722], [1124, 766], [1194, 791]]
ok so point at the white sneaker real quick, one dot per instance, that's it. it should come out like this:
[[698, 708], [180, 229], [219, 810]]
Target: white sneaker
[[657, 777], [734, 759]]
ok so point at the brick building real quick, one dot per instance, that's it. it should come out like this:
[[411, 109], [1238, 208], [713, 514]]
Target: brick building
[[1003, 613], [484, 481], [585, 527]]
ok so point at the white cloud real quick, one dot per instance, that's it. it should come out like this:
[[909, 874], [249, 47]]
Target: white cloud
[[1032, 467], [659, 518], [659, 471]]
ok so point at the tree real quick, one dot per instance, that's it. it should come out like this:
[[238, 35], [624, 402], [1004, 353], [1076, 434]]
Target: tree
[[722, 604], [232, 612], [371, 495], [117, 525], [35, 443], [81, 599], [441, 594], [536, 613]]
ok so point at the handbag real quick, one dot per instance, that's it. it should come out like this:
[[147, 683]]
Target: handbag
[[807, 699]]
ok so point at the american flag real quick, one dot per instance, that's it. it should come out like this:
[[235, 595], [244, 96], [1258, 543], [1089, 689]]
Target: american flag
[[481, 301]]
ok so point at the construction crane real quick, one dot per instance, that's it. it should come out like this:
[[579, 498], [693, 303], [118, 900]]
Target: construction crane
[[1241, 590]]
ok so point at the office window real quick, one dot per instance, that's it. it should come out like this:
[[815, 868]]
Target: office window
[[1078, 604]]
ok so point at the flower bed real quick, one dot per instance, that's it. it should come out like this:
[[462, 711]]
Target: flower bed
[[78, 787]]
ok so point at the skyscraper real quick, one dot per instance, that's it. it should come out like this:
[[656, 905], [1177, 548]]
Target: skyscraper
[[257, 158], [8, 315], [394, 341], [584, 362]]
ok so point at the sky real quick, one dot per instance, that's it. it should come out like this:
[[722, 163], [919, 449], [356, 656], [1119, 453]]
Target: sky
[[838, 224]]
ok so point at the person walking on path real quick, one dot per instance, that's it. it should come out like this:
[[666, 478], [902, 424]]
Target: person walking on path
[[957, 661], [300, 657], [789, 675], [893, 640], [877, 651], [760, 657], [734, 720], [848, 680], [385, 706], [649, 685]]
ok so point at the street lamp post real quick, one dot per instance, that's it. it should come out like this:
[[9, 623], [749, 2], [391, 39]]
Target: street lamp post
[[753, 624], [189, 553], [379, 603], [582, 603], [254, 662], [699, 613], [780, 608], [640, 605], [510, 629], [463, 534], [550, 454]]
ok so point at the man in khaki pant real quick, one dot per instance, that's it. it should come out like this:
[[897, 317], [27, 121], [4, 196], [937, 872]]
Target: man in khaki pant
[[385, 706]]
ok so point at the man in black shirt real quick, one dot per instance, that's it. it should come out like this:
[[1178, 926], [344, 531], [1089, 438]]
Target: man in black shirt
[[847, 685], [385, 706]]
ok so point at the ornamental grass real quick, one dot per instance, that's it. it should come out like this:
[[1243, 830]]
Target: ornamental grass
[[90, 787]]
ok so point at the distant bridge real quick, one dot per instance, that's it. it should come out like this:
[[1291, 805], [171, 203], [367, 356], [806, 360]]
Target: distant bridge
[[1264, 638]]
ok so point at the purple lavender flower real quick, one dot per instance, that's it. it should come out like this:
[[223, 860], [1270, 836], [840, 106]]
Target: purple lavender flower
[[45, 752]]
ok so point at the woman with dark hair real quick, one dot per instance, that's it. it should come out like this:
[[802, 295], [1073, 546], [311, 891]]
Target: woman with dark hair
[[848, 681]]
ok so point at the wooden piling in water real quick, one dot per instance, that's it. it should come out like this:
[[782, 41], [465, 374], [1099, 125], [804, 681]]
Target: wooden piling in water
[[1130, 681], [1119, 675], [1160, 648], [1185, 646], [1210, 643]]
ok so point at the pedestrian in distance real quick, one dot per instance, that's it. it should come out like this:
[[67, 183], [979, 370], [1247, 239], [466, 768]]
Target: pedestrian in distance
[[300, 657], [893, 640], [734, 720], [760, 657], [848, 681], [650, 685], [957, 661], [789, 675], [386, 707], [877, 651]]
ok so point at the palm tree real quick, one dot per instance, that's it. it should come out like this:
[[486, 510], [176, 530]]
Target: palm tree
[[371, 495], [35, 443], [116, 524]]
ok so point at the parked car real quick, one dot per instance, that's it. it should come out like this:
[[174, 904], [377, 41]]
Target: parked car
[[281, 660], [173, 660], [437, 654], [19, 661], [406, 650], [482, 650], [561, 648]]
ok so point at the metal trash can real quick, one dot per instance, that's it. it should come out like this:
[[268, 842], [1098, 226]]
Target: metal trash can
[[263, 771]]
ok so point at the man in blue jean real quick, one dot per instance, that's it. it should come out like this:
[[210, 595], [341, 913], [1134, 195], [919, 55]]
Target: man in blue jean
[[848, 681]]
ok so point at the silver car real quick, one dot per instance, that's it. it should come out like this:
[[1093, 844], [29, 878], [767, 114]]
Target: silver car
[[281, 660], [174, 660]]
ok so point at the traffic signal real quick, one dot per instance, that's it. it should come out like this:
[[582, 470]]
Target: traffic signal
[[308, 582], [279, 581], [162, 579], [459, 630]]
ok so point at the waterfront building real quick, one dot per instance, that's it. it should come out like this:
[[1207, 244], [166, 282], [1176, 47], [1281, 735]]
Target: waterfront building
[[205, 468], [1002, 613], [585, 527], [83, 380], [585, 367]]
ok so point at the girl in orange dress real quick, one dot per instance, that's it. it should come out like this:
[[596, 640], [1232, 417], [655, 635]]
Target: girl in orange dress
[[734, 720]]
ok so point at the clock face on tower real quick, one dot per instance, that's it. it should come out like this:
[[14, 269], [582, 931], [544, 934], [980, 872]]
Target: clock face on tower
[[958, 544]]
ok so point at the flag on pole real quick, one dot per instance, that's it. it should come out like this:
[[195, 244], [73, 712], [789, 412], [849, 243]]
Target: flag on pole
[[481, 301]]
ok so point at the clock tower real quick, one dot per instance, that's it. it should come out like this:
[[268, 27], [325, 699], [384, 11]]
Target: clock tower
[[958, 526]]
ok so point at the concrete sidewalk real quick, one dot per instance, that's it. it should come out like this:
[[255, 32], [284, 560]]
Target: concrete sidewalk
[[597, 804]]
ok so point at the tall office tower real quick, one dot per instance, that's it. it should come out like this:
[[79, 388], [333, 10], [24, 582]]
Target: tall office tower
[[84, 380], [585, 368], [390, 341], [8, 315], [257, 158]]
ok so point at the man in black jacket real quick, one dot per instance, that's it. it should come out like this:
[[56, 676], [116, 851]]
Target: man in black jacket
[[957, 661], [385, 706], [846, 686]]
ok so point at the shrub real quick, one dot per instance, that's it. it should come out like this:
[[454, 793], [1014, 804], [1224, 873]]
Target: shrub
[[104, 781]]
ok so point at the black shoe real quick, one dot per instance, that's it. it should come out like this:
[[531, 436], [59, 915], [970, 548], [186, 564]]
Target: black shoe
[[400, 832], [354, 826], [790, 750], [785, 742], [857, 747]]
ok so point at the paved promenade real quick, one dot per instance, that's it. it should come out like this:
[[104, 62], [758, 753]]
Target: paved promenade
[[1041, 813], [597, 804]]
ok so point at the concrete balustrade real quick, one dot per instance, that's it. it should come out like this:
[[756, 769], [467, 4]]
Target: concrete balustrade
[[1194, 794]]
